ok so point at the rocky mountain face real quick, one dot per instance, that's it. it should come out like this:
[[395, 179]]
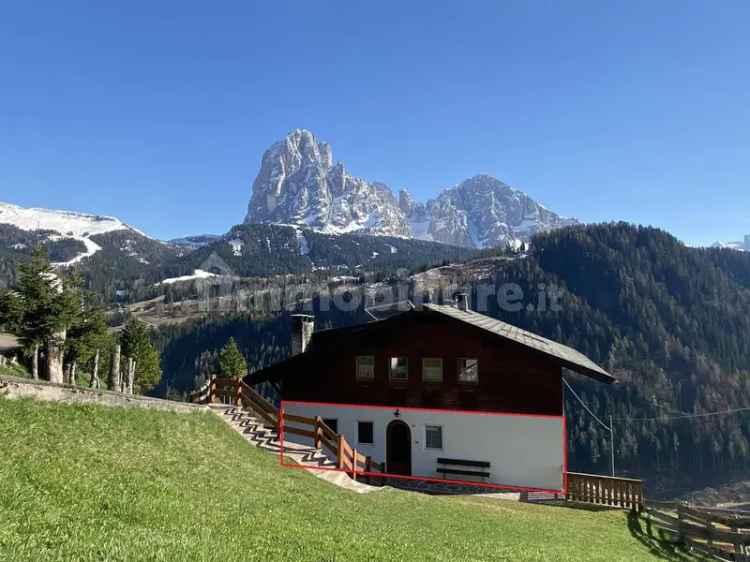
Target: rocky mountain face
[[299, 184], [481, 212]]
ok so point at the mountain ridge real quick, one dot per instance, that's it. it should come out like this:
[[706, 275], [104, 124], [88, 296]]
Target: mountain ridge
[[298, 184], [65, 225]]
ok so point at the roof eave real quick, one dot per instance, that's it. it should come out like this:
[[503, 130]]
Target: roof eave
[[601, 376]]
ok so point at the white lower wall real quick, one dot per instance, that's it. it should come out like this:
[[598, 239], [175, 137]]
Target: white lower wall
[[523, 451]]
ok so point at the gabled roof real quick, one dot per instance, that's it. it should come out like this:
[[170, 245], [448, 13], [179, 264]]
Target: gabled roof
[[568, 357], [324, 340]]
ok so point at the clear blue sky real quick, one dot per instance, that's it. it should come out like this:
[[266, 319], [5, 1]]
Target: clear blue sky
[[159, 112]]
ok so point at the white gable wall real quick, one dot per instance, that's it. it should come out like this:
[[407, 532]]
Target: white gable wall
[[523, 451]]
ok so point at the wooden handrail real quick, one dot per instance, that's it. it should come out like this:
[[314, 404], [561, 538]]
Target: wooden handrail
[[603, 477], [259, 398], [200, 394], [347, 457]]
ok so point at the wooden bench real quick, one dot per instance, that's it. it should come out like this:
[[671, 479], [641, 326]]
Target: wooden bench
[[463, 470]]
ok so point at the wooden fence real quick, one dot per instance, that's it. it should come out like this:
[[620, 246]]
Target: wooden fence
[[624, 493], [230, 391], [611, 491], [720, 534], [347, 457]]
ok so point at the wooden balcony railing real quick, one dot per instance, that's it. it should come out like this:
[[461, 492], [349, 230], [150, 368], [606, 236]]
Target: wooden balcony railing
[[625, 493]]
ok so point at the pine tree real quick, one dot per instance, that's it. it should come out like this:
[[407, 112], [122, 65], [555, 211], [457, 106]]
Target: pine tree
[[232, 363], [30, 305], [40, 310]]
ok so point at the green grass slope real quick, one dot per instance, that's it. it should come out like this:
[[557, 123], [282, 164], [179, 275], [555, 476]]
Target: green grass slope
[[96, 483]]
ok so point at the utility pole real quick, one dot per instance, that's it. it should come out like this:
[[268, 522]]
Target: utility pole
[[612, 443], [606, 427]]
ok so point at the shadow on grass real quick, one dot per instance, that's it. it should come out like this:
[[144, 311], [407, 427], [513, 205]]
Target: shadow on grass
[[574, 505], [654, 540]]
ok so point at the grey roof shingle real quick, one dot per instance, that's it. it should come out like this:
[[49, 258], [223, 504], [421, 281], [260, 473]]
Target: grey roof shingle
[[569, 357]]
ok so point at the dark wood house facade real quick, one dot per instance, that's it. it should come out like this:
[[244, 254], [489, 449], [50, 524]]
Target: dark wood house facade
[[470, 383]]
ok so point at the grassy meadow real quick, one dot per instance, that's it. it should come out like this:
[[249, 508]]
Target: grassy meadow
[[80, 483]]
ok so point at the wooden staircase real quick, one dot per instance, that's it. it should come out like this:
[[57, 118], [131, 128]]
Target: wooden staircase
[[259, 422], [258, 434]]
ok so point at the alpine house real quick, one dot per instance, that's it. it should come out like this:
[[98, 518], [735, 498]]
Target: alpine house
[[437, 392]]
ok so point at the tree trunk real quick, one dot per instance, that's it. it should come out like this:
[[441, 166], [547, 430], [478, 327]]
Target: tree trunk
[[131, 376], [95, 373], [114, 373], [55, 357], [35, 362], [73, 369]]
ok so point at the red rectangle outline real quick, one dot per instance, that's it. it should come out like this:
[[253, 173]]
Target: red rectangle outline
[[488, 485]]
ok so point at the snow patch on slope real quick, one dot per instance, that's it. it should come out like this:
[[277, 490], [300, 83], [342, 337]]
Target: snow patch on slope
[[197, 274], [67, 224], [237, 245]]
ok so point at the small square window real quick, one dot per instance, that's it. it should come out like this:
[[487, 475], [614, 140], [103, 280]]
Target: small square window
[[365, 368], [332, 423], [365, 433], [398, 369], [433, 437], [432, 369], [468, 370]]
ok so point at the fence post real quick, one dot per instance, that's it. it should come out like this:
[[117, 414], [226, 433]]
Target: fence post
[[354, 464], [238, 393], [368, 469], [317, 431], [212, 390], [340, 452], [681, 524], [739, 555]]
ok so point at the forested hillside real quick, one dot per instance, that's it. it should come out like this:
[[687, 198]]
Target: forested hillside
[[17, 245], [129, 266], [253, 250], [670, 322]]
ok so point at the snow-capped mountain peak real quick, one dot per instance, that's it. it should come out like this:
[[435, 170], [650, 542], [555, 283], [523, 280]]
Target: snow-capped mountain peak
[[64, 225], [63, 222], [298, 184]]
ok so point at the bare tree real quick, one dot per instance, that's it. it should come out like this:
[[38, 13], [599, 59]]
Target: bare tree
[[114, 373], [95, 383]]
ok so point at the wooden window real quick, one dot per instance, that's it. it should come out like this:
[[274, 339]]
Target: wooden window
[[468, 371], [366, 368], [432, 369], [365, 433], [433, 437], [332, 423], [398, 369]]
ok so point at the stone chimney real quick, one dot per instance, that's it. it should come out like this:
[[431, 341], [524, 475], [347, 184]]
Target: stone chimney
[[462, 301], [302, 331]]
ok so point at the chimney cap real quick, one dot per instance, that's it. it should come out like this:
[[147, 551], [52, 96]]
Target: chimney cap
[[462, 301]]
